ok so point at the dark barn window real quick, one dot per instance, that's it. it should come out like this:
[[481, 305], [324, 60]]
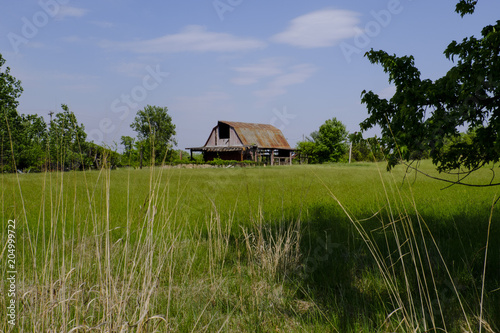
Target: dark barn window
[[223, 131]]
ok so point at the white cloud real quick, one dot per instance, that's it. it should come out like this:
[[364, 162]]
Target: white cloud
[[68, 11], [71, 39], [322, 28], [103, 24], [208, 100], [253, 73], [295, 75], [132, 69], [274, 75], [191, 38]]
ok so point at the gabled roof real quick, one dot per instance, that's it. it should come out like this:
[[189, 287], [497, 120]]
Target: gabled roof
[[262, 135]]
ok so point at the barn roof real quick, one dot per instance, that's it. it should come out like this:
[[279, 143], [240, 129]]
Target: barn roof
[[262, 135]]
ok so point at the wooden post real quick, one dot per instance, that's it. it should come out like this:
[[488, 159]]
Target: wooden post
[[272, 157], [140, 157], [350, 152], [290, 157]]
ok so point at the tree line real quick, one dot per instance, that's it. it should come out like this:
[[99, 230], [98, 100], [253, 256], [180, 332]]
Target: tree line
[[28, 143], [333, 143]]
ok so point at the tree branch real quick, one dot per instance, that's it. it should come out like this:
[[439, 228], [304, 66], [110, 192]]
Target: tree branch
[[459, 182]]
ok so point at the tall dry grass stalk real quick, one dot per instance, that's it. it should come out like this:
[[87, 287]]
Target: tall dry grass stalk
[[407, 260], [78, 277], [84, 272], [275, 249]]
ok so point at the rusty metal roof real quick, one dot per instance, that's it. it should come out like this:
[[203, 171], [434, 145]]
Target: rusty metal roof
[[262, 135]]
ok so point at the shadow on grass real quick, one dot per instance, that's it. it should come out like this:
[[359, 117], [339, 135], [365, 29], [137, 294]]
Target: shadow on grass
[[426, 266]]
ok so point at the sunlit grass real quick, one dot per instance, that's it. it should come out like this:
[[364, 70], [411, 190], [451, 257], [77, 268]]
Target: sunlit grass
[[301, 248]]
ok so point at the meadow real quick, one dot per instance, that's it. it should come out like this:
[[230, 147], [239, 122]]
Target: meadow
[[303, 248]]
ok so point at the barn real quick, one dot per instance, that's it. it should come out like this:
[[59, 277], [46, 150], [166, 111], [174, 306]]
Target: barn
[[239, 141]]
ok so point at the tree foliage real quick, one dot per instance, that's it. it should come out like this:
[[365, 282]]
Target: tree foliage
[[328, 144], [331, 141], [67, 140], [155, 132], [423, 114], [369, 150], [464, 7], [10, 91]]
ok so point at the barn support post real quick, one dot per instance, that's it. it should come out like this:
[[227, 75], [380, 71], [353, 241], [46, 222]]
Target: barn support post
[[140, 157], [290, 154]]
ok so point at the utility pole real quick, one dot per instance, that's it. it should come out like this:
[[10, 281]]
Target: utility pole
[[48, 142], [350, 152]]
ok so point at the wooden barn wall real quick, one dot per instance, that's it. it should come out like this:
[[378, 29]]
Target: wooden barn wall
[[211, 138], [233, 138]]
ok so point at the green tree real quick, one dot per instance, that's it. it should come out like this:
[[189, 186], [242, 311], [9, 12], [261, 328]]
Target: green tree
[[130, 152], [10, 120], [128, 144], [31, 145], [331, 143], [328, 144], [155, 132], [368, 150], [67, 141], [423, 114], [307, 151]]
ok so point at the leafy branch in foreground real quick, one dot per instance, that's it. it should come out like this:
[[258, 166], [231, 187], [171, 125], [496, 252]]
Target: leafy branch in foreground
[[425, 115]]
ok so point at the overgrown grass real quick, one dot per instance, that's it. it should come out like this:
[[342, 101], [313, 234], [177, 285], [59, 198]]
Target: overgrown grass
[[301, 248]]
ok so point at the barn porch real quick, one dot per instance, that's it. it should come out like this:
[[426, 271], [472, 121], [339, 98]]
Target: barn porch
[[252, 153]]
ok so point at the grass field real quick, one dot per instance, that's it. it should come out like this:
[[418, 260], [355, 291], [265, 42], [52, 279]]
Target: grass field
[[329, 248]]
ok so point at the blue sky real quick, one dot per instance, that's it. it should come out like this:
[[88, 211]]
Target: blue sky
[[292, 64]]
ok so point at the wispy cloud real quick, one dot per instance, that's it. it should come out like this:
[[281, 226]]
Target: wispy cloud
[[294, 75], [321, 28], [201, 101], [103, 24], [71, 39], [68, 11], [274, 75], [192, 38], [132, 69], [253, 73]]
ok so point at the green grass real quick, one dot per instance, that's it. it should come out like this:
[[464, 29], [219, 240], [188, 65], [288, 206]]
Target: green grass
[[302, 248]]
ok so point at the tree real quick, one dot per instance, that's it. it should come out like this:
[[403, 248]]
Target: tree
[[331, 141], [328, 144], [155, 132], [10, 120], [67, 141], [369, 149], [128, 143], [423, 115], [31, 145], [307, 151]]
